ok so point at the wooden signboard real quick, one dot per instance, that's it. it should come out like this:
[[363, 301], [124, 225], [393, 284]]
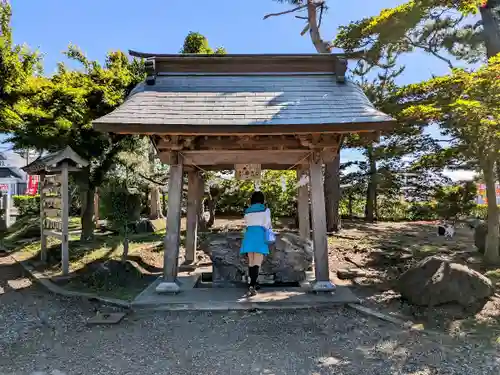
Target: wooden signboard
[[53, 170], [247, 171]]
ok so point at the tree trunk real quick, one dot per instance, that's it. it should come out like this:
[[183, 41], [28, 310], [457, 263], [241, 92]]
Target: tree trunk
[[371, 192], [491, 254], [332, 182], [155, 209], [332, 195], [96, 208], [87, 214], [349, 207], [202, 223], [163, 203], [211, 211], [125, 248], [491, 27]]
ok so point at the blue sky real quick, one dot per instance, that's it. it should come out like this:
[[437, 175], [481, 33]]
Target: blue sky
[[161, 25]]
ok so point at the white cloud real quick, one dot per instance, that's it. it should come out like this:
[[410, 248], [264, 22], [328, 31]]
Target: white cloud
[[460, 175]]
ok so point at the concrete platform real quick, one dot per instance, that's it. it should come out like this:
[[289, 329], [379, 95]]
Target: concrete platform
[[224, 299]]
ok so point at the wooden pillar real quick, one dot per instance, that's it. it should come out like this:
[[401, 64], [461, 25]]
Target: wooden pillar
[[43, 236], [65, 219], [320, 240], [200, 207], [332, 195], [172, 237], [303, 205], [6, 209], [192, 216]]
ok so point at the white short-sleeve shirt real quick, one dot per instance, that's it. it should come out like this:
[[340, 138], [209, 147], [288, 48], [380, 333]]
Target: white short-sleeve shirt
[[261, 219]]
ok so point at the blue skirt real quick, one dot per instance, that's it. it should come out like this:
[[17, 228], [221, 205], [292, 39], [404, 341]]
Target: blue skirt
[[254, 241]]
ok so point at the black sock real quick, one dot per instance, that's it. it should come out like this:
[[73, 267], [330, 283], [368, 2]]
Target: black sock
[[254, 275]]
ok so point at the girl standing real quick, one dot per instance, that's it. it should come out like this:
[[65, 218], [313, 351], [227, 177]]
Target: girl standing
[[254, 244]]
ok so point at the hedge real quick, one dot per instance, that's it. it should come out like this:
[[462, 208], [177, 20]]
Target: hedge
[[28, 205]]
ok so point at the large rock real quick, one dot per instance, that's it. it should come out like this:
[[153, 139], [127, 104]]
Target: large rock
[[435, 281], [289, 259]]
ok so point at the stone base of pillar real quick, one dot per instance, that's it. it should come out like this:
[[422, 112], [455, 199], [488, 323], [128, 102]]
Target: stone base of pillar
[[168, 287], [323, 286]]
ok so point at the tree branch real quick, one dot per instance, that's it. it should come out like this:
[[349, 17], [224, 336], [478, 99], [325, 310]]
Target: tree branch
[[320, 45], [150, 179], [285, 12], [430, 50]]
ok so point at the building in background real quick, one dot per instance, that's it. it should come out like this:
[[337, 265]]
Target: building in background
[[12, 179]]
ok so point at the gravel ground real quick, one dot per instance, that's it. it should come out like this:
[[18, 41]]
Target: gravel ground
[[45, 334]]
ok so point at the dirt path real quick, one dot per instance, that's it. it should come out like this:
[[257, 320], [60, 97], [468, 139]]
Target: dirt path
[[43, 334]]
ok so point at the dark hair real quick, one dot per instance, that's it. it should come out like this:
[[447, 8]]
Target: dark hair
[[257, 197]]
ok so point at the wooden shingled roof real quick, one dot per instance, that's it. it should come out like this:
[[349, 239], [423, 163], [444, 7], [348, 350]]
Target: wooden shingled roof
[[51, 163], [255, 94]]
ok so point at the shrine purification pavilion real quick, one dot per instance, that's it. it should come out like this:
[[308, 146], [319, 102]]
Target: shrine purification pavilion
[[212, 112]]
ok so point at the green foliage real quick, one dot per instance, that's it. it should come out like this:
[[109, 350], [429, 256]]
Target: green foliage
[[28, 205], [17, 66], [120, 207], [465, 105], [480, 211], [235, 195], [422, 211], [430, 25], [60, 109], [455, 201], [197, 43]]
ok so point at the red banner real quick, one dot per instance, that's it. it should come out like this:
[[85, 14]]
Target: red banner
[[32, 185]]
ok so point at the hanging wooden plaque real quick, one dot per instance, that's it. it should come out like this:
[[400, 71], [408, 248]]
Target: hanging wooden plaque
[[247, 171]]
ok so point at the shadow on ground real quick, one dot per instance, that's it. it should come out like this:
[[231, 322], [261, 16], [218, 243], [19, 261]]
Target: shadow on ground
[[383, 251]]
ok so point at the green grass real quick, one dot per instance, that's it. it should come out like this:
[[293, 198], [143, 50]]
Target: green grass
[[23, 239]]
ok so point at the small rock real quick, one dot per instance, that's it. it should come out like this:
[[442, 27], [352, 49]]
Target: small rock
[[350, 273], [145, 226]]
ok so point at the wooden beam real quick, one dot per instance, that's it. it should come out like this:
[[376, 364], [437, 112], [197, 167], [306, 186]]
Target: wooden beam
[[207, 158], [320, 240], [273, 142], [172, 237], [245, 157], [303, 205], [340, 70], [192, 216], [233, 129], [150, 68], [279, 56]]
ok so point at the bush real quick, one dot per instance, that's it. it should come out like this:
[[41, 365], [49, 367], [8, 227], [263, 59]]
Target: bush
[[120, 207], [28, 205], [480, 211], [455, 201], [424, 211], [392, 209], [235, 195]]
